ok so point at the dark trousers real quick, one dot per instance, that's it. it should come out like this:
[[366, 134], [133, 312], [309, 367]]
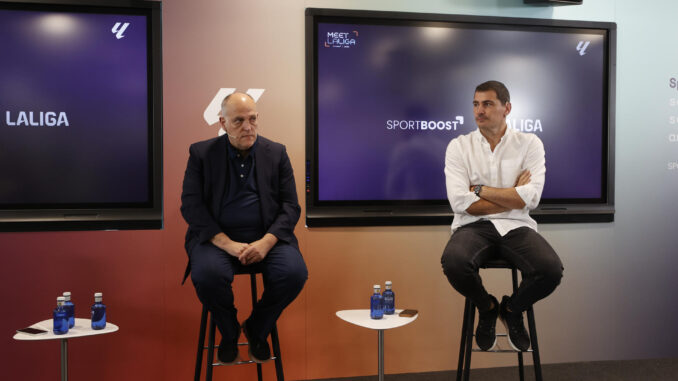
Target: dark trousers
[[472, 244], [212, 271]]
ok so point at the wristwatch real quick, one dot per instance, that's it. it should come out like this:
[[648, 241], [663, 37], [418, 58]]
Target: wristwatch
[[476, 189]]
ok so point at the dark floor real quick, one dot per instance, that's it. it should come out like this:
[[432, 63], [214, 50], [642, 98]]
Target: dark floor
[[631, 370]]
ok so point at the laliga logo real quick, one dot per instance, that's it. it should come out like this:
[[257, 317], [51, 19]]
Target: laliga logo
[[211, 113], [340, 39], [118, 29]]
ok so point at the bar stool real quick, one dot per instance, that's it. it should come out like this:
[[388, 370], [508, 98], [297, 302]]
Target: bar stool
[[210, 363], [465, 348]]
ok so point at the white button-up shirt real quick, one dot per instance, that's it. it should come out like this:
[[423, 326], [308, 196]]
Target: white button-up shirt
[[469, 160]]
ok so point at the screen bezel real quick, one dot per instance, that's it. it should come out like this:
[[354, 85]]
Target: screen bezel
[[435, 212], [104, 216]]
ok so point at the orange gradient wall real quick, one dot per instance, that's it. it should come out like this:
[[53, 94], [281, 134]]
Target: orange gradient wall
[[210, 44]]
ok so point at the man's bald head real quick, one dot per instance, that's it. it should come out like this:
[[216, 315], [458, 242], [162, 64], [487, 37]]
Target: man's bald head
[[239, 119], [235, 98]]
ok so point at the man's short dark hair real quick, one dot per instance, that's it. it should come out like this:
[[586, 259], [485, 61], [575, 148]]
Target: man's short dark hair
[[498, 87]]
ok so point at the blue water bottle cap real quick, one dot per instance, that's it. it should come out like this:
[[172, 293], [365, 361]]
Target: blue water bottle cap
[[67, 295], [60, 300]]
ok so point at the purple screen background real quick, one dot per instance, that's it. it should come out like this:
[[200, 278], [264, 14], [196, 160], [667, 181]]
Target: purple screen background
[[416, 73], [73, 63]]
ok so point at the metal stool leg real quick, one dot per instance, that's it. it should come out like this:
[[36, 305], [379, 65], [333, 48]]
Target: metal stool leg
[[469, 339], [210, 350], [535, 345], [253, 287], [462, 345], [276, 353], [274, 337], [201, 344], [521, 367]]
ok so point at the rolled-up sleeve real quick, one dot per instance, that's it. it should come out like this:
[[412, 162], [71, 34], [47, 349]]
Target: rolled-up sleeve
[[457, 179], [535, 162]]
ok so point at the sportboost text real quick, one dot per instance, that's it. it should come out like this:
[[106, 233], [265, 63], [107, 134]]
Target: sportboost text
[[523, 125]]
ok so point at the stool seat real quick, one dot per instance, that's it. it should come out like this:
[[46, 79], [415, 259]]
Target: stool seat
[[466, 346], [210, 363], [497, 263]]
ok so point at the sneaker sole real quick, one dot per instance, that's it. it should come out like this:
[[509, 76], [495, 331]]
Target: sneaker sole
[[508, 336], [490, 348]]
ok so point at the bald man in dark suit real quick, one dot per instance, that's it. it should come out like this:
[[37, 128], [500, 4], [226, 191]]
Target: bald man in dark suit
[[239, 199]]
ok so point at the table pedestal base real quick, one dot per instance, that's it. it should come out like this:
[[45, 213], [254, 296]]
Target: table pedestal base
[[64, 359], [380, 334]]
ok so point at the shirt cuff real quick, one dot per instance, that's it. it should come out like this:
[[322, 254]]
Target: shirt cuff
[[527, 194], [463, 202]]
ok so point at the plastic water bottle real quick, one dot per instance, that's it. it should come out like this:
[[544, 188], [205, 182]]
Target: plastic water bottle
[[389, 299], [377, 303], [98, 312], [60, 318], [70, 309]]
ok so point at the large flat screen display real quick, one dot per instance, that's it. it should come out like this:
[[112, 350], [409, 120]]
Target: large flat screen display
[[80, 116], [386, 92]]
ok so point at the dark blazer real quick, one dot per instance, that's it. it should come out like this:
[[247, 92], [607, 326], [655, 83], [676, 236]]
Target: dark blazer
[[206, 181]]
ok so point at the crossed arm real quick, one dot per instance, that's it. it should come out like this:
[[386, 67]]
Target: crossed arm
[[498, 200]]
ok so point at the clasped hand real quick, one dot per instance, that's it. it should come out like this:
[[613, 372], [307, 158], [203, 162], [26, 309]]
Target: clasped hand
[[248, 253]]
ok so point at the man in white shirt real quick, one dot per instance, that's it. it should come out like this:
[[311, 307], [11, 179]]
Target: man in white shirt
[[494, 176]]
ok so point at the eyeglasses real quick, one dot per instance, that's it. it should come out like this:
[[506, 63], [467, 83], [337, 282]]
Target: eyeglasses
[[237, 122]]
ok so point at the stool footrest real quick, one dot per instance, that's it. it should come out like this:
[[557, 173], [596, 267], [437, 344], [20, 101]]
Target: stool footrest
[[500, 350], [239, 362], [239, 344]]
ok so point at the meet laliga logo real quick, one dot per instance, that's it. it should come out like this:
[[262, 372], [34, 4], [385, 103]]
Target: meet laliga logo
[[36, 119], [341, 39]]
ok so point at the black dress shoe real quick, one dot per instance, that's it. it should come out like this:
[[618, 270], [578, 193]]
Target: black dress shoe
[[228, 351], [258, 349]]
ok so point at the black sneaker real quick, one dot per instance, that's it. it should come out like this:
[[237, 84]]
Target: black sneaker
[[486, 336], [258, 349], [513, 321]]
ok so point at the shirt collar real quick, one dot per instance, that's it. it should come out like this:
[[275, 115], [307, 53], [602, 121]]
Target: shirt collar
[[480, 138], [233, 152]]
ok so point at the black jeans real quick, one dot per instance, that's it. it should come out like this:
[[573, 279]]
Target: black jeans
[[474, 243], [212, 271]]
